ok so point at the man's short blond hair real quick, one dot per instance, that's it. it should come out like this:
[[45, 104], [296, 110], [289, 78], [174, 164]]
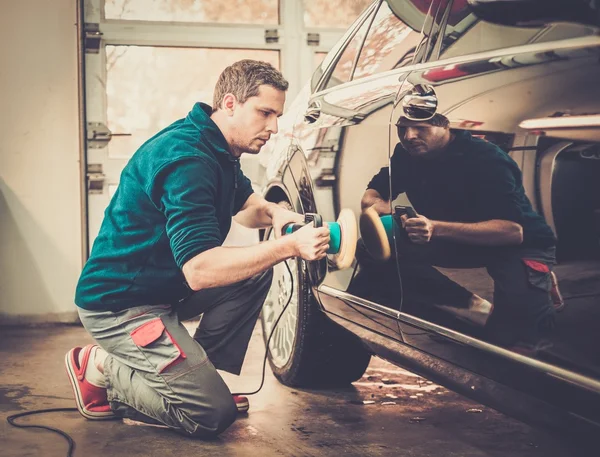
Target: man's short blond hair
[[243, 79]]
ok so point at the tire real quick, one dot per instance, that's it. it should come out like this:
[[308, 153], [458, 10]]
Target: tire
[[307, 349]]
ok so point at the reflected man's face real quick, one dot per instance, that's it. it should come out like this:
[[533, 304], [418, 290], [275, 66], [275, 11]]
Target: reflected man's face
[[422, 139]]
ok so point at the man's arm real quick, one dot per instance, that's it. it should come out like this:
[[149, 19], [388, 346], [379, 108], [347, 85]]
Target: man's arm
[[260, 213], [225, 265], [496, 232], [373, 198], [378, 189], [256, 212]]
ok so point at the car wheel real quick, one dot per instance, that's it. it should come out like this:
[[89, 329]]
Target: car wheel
[[307, 349]]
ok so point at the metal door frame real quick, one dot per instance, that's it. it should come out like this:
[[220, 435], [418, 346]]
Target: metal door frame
[[296, 60]]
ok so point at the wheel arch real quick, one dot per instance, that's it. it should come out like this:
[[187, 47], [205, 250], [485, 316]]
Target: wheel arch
[[276, 193]]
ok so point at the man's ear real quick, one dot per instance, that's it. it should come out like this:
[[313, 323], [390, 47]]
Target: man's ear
[[229, 104]]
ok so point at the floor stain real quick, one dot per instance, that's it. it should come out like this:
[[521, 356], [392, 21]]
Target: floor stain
[[10, 397]]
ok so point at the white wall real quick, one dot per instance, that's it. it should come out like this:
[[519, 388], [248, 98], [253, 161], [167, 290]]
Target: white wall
[[40, 225]]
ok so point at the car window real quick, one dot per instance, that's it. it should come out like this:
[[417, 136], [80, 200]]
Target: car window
[[366, 16], [391, 41], [342, 71], [564, 31], [466, 34]]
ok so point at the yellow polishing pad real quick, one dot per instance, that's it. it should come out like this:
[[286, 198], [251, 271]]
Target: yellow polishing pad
[[374, 235], [349, 237]]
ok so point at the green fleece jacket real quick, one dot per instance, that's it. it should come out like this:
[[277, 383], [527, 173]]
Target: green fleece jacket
[[175, 199]]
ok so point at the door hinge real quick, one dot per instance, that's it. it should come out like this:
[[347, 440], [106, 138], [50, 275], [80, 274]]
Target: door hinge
[[98, 135], [313, 39], [95, 178], [271, 36], [93, 37]]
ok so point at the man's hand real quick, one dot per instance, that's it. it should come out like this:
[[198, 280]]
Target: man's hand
[[382, 208], [419, 229], [373, 199], [311, 243], [281, 216]]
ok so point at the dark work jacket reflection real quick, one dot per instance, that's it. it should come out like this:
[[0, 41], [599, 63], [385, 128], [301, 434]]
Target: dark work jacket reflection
[[473, 180]]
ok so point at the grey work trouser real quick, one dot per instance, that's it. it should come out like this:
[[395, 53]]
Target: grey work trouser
[[157, 373], [523, 307], [522, 302]]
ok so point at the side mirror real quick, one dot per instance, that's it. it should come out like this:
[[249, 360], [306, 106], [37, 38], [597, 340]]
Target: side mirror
[[535, 12], [419, 103]]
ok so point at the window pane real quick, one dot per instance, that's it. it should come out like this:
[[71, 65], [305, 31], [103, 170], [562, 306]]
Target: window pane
[[332, 13], [389, 44], [330, 57], [564, 31], [220, 11], [465, 34], [318, 58], [148, 88], [471, 35], [343, 67]]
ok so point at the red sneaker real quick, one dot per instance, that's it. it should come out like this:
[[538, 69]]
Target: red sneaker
[[91, 400], [241, 403]]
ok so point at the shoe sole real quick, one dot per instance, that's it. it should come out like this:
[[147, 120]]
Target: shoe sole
[[91, 415]]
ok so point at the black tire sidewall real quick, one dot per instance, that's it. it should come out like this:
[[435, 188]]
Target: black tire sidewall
[[323, 353]]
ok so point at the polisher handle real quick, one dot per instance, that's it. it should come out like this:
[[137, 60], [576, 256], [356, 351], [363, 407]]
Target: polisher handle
[[317, 219], [313, 217], [308, 218]]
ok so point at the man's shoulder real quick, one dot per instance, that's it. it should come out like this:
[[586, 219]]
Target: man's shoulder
[[478, 148], [475, 142], [179, 141]]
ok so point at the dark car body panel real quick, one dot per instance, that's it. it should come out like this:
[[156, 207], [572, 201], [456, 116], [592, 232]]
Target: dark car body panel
[[325, 163]]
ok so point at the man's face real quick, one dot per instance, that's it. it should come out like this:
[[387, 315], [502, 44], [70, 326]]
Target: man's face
[[254, 121], [422, 139]]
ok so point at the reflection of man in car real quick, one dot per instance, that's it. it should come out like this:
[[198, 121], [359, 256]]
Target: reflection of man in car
[[472, 212]]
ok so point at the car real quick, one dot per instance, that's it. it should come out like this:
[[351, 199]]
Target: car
[[521, 74]]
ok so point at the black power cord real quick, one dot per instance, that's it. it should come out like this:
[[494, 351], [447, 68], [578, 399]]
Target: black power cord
[[65, 435], [272, 333], [71, 441]]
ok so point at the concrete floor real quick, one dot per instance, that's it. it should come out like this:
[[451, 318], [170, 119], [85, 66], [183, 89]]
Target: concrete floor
[[424, 420]]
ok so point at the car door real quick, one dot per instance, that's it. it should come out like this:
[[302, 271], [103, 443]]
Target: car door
[[344, 137], [488, 79]]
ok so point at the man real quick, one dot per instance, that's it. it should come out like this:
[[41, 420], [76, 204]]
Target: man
[[472, 212], [158, 260]]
